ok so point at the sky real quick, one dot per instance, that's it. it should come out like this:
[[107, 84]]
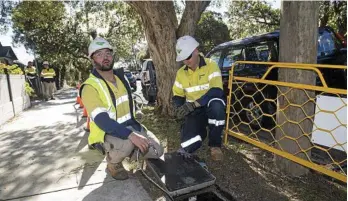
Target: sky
[[20, 51], [24, 57]]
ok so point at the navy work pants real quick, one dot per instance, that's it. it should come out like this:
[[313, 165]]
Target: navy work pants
[[194, 131]]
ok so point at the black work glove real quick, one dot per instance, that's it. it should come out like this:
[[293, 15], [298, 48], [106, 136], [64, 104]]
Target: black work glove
[[186, 109], [182, 152]]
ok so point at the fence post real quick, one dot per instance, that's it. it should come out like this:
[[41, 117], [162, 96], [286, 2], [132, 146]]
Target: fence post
[[10, 90]]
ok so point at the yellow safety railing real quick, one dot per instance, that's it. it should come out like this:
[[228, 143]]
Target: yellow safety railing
[[268, 114]]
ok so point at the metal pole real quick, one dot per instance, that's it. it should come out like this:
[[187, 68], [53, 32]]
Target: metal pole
[[10, 90], [38, 80]]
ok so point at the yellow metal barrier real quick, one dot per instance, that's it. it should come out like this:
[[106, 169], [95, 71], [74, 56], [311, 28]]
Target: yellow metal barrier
[[258, 112]]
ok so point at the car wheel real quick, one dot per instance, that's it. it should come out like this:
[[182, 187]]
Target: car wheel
[[252, 113], [144, 91], [254, 110], [152, 99]]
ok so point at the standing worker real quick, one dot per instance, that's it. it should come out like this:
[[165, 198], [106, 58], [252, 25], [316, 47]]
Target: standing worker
[[107, 96], [48, 81], [30, 72], [199, 98]]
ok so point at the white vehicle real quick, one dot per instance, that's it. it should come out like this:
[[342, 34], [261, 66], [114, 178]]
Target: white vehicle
[[148, 81]]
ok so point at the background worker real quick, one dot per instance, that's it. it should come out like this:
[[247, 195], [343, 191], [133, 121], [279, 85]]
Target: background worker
[[30, 72], [199, 98], [48, 81], [107, 96]]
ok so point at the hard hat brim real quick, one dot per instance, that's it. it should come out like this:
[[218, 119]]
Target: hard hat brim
[[180, 58]]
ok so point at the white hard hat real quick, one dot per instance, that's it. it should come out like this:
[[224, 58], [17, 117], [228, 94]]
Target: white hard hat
[[185, 47], [98, 44], [45, 62]]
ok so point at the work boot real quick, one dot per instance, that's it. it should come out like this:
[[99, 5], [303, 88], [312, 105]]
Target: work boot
[[117, 171], [216, 154]]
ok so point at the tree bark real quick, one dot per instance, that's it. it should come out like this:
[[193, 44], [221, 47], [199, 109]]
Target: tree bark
[[298, 44], [161, 25]]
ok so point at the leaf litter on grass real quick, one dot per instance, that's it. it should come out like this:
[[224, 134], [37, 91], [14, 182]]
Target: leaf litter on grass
[[247, 173]]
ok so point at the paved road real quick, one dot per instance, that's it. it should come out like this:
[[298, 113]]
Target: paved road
[[44, 156]]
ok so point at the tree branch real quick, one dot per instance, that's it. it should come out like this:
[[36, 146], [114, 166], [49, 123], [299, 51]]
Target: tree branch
[[191, 16]]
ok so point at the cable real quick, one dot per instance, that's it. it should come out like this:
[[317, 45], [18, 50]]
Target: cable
[[148, 178]]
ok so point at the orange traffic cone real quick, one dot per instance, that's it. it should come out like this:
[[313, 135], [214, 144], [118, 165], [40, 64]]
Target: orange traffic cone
[[81, 104], [87, 126], [78, 100], [84, 115]]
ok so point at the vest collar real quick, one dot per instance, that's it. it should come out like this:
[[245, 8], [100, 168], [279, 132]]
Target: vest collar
[[120, 74]]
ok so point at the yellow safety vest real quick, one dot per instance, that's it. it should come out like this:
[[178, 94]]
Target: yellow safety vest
[[31, 71], [48, 73], [121, 113], [194, 84]]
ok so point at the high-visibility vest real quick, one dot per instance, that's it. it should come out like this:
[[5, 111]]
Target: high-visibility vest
[[122, 113], [48, 73], [31, 71], [194, 84]]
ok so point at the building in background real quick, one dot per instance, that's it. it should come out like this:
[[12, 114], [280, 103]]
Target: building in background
[[7, 55]]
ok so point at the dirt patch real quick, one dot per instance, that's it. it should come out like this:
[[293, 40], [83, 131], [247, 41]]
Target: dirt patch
[[247, 173]]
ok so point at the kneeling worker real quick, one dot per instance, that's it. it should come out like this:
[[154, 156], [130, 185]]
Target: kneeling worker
[[198, 97], [106, 94]]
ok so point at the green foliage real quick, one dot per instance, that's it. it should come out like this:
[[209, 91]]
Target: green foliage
[[14, 69], [60, 32], [30, 91], [248, 18], [211, 31], [5, 12], [334, 14]]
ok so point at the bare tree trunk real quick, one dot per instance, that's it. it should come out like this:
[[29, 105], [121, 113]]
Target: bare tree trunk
[[160, 24], [298, 44]]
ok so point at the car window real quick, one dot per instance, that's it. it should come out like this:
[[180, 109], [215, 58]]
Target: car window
[[327, 44], [264, 51], [259, 52], [232, 55], [216, 56]]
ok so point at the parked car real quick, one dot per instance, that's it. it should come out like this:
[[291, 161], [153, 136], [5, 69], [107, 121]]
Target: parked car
[[131, 79], [265, 48], [148, 81]]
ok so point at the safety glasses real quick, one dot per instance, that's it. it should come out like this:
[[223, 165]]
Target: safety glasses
[[103, 54], [189, 57]]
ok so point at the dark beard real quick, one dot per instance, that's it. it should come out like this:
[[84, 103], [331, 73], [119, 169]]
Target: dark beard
[[102, 67]]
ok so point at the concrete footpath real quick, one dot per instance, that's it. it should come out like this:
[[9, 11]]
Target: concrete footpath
[[44, 156]]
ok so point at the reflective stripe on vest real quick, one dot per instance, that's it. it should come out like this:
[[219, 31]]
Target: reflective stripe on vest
[[122, 106]]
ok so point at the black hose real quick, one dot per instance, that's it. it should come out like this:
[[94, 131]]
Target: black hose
[[149, 179]]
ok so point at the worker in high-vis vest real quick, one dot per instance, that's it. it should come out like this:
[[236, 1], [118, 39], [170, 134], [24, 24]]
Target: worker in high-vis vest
[[48, 81], [30, 72], [199, 99], [107, 97]]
